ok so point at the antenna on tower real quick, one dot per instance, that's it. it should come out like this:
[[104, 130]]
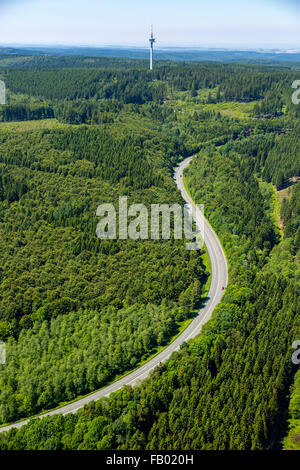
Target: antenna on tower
[[152, 41]]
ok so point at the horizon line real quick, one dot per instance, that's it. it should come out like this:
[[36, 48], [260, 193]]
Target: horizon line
[[292, 48]]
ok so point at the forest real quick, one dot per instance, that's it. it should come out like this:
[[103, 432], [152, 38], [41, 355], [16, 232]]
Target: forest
[[76, 312], [57, 272]]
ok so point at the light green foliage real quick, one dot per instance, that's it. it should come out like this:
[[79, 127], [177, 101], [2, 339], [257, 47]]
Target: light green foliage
[[94, 310]]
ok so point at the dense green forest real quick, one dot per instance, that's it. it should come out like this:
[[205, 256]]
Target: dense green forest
[[290, 214], [56, 271], [76, 312], [222, 390], [292, 440]]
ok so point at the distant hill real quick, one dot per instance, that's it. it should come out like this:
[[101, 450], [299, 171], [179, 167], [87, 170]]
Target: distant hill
[[272, 57]]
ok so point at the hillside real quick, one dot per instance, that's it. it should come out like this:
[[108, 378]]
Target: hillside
[[76, 313]]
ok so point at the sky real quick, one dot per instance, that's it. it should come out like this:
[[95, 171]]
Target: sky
[[216, 23]]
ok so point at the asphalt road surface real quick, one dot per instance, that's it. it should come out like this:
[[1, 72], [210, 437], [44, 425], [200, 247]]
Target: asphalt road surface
[[219, 279]]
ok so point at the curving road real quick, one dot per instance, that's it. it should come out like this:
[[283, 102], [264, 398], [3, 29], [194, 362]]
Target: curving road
[[219, 278]]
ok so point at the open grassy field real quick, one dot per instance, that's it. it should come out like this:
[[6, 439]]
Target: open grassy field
[[232, 109], [184, 104], [31, 125]]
